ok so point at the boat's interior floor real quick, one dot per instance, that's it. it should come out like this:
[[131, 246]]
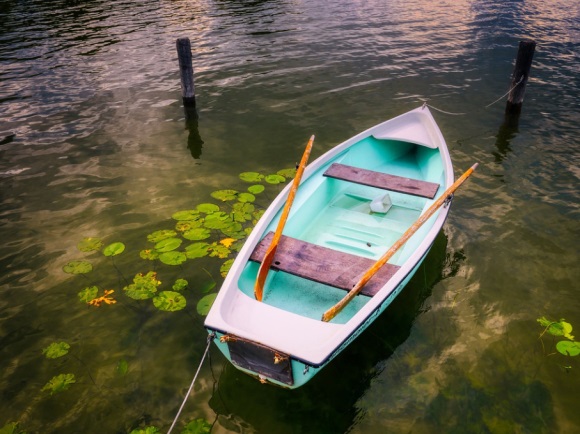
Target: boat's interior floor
[[338, 216]]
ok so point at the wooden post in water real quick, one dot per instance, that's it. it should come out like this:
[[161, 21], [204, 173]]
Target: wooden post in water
[[520, 76], [186, 68]]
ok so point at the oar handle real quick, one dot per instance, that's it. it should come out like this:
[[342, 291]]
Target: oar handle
[[271, 251], [335, 310]]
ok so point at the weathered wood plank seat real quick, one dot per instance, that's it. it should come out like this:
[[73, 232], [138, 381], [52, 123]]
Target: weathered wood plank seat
[[322, 264], [385, 181]]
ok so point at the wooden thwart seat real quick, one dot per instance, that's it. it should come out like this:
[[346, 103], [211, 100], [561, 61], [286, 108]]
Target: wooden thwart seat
[[322, 264], [385, 181]]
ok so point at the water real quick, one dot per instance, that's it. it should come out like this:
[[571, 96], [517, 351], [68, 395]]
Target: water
[[94, 143]]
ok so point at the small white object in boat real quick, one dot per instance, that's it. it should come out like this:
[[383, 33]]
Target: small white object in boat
[[381, 204]]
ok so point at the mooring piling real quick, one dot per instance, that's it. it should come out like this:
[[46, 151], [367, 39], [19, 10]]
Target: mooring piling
[[520, 75], [183, 46]]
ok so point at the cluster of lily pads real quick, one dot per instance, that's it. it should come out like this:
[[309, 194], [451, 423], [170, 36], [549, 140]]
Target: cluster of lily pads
[[213, 230], [209, 229], [561, 328]]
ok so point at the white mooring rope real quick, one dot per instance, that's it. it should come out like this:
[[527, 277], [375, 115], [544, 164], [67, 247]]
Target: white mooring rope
[[209, 339], [501, 97]]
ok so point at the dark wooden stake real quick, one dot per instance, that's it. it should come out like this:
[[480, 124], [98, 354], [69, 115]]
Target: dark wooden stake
[[520, 75], [186, 68]]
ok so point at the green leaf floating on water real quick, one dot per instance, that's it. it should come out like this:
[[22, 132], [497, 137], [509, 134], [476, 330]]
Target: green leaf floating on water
[[219, 251], [186, 225], [168, 244], [197, 234], [197, 250], [197, 426], [59, 383], [173, 258], [90, 244], [251, 176], [144, 286], [557, 328], [287, 173], [188, 214], [157, 236], [77, 267], [169, 301], [568, 348], [204, 305], [208, 208], [149, 254], [246, 197], [275, 179], [256, 189], [180, 285], [114, 249], [225, 195], [88, 294], [146, 430], [56, 350], [217, 220]]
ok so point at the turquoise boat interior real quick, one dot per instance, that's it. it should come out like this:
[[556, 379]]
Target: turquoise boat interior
[[338, 214]]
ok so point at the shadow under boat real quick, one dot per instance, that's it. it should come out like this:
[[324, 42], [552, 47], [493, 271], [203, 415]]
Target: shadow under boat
[[327, 403]]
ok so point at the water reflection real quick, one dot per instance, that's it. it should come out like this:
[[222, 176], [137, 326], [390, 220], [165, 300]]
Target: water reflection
[[327, 403], [506, 133], [194, 140]]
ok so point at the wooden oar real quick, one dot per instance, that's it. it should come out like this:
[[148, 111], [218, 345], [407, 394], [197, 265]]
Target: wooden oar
[[269, 256], [334, 310]]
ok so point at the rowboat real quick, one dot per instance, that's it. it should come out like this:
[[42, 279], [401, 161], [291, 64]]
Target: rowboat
[[353, 206]]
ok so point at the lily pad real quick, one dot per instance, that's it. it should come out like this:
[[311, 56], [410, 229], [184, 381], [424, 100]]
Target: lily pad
[[204, 305], [90, 244], [186, 225], [197, 426], [557, 328], [88, 294], [225, 195], [157, 236], [56, 350], [188, 214], [197, 250], [256, 189], [568, 348], [242, 212], [217, 220], [274, 179], [173, 258], [149, 254], [287, 173], [77, 267], [226, 267], [180, 285], [59, 383], [169, 301], [114, 249], [168, 244], [197, 234], [144, 286], [219, 251], [251, 176], [208, 208], [246, 197]]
